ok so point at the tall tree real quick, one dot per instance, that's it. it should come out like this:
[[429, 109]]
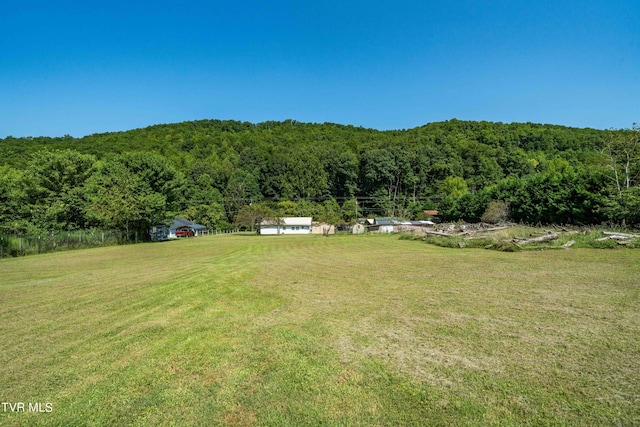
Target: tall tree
[[159, 175], [251, 216], [54, 189], [205, 203], [622, 152], [11, 211], [331, 213], [454, 186], [351, 211], [341, 166], [378, 170], [119, 199], [242, 189], [132, 191]]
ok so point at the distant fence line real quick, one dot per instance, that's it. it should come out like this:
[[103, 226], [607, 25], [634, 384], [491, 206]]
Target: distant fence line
[[218, 231], [13, 245], [28, 244]]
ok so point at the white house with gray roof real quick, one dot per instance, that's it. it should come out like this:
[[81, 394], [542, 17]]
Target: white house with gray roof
[[287, 225]]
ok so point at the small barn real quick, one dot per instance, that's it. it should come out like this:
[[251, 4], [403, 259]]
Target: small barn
[[287, 225], [357, 229], [322, 228]]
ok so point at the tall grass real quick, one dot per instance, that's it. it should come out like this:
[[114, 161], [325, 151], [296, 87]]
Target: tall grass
[[30, 244], [308, 330]]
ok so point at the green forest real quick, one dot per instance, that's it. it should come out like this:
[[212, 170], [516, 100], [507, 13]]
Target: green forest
[[224, 174]]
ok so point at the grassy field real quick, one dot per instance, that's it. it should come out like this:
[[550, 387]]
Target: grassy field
[[308, 330]]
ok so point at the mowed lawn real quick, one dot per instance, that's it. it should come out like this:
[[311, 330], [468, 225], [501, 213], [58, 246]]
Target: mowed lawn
[[308, 330]]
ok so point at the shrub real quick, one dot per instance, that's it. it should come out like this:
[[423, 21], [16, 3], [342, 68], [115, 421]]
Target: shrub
[[496, 212]]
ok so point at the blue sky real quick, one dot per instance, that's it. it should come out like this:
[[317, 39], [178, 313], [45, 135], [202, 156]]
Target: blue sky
[[83, 67]]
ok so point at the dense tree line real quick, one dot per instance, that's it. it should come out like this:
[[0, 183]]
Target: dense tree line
[[210, 171]]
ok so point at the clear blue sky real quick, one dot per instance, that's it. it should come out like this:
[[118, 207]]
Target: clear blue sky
[[83, 67]]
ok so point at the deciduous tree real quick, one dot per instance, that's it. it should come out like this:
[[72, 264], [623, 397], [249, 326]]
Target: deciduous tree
[[251, 216]]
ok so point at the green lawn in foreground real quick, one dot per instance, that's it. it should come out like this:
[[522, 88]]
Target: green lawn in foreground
[[308, 330]]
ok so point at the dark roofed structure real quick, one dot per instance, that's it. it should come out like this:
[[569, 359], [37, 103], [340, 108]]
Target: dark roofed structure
[[183, 227]]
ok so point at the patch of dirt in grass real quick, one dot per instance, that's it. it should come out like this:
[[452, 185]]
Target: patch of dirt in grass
[[407, 345], [240, 416]]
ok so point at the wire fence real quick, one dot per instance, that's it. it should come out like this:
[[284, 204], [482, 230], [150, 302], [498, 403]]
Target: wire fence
[[13, 245]]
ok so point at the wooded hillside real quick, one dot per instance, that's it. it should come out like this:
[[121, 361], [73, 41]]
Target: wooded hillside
[[210, 170]]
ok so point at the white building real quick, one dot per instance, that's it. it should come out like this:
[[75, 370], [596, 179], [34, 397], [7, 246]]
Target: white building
[[291, 225]]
